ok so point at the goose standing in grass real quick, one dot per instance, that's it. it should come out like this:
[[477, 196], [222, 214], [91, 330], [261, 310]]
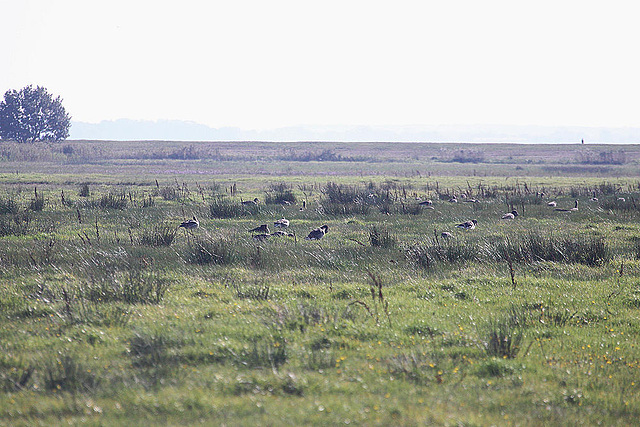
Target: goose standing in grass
[[468, 225], [190, 224], [317, 233], [510, 215], [281, 223], [264, 228], [573, 209], [552, 204], [250, 202]]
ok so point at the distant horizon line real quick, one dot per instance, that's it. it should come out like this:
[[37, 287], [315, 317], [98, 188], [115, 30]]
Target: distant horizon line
[[183, 130]]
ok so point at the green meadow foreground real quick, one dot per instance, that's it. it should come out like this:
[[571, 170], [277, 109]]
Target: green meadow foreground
[[111, 314]]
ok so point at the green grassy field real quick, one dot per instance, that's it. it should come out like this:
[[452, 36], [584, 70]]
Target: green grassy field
[[112, 315]]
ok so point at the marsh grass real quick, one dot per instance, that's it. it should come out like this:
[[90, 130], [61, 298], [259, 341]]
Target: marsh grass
[[9, 204], [99, 327], [133, 286], [219, 250], [428, 255], [266, 353], [223, 207], [257, 291], [502, 338], [280, 194], [113, 200], [381, 237], [15, 224], [162, 234], [66, 373], [533, 247]]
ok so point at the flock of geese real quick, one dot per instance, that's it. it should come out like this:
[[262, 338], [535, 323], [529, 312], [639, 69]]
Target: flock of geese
[[262, 232]]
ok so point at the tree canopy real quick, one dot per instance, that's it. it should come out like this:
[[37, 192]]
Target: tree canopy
[[32, 114]]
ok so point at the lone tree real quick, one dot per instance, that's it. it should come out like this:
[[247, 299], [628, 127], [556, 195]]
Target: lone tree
[[31, 115]]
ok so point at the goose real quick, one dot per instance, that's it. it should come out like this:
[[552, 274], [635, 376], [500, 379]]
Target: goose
[[453, 199], [250, 202], [510, 215], [281, 223], [552, 204], [261, 237], [190, 224], [468, 225], [264, 228], [280, 233], [573, 209], [426, 203], [446, 235], [622, 199], [317, 233]]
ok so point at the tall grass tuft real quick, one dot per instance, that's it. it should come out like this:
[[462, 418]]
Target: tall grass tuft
[[113, 200], [84, 190], [427, 255], [15, 224], [280, 194], [65, 373], [591, 251], [220, 250], [9, 205], [133, 286], [265, 353], [623, 204], [222, 207], [501, 338], [148, 349], [162, 234], [380, 237], [259, 292]]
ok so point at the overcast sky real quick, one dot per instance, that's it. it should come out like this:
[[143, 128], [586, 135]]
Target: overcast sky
[[267, 64]]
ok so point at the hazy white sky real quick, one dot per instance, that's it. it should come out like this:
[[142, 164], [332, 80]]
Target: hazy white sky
[[266, 64]]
